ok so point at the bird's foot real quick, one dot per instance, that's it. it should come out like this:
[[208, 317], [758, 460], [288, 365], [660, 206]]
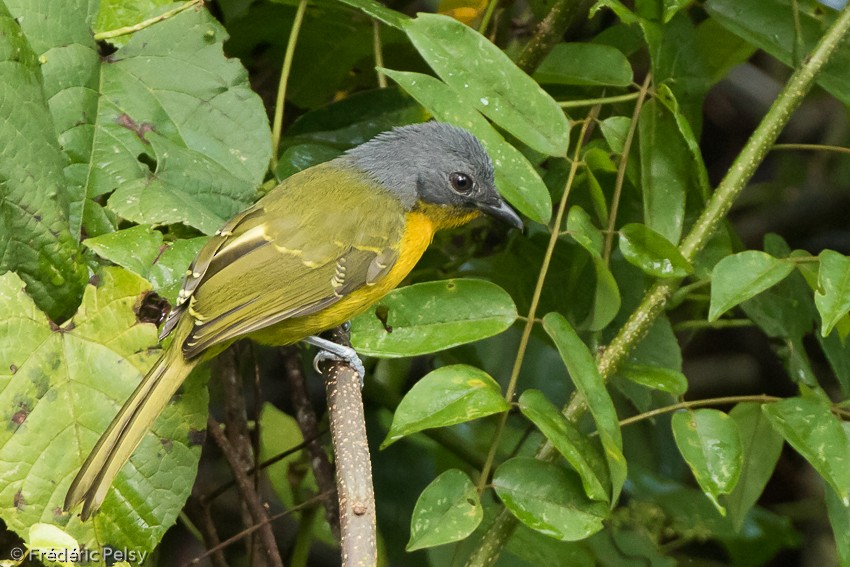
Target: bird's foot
[[331, 351]]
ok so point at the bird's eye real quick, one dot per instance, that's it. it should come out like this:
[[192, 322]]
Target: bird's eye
[[461, 182]]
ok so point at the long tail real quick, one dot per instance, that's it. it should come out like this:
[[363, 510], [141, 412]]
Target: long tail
[[127, 430]]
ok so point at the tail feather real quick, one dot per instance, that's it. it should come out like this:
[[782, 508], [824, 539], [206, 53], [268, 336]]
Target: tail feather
[[126, 431]]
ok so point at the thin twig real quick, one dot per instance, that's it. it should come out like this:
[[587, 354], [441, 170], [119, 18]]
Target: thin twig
[[280, 101], [147, 23], [601, 100], [248, 531], [247, 493], [265, 464], [203, 520], [488, 14], [307, 422], [621, 169], [353, 466], [812, 147]]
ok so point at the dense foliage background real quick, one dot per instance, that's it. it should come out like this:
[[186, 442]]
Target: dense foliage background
[[655, 371]]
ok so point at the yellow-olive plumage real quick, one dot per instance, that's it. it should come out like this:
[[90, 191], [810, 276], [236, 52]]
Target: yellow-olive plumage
[[317, 250]]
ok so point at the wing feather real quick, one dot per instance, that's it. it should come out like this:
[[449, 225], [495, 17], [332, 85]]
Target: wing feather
[[286, 257]]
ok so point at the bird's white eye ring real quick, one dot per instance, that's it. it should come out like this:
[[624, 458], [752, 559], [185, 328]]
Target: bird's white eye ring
[[461, 182]]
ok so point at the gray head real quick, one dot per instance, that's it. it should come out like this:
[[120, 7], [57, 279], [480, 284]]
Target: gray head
[[435, 164]]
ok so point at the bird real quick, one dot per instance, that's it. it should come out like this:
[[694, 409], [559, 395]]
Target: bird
[[318, 249]]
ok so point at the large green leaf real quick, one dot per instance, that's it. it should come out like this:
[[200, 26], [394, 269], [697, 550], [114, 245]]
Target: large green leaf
[[36, 205], [585, 64], [761, 448], [448, 510], [141, 250], [665, 170], [447, 396], [588, 381], [833, 296], [548, 498], [741, 276], [485, 77], [432, 316], [773, 26], [379, 12], [815, 433], [576, 448], [839, 517], [711, 445], [516, 178], [61, 387], [114, 14]]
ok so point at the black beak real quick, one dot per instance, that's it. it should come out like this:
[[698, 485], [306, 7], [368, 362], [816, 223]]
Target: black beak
[[500, 210]]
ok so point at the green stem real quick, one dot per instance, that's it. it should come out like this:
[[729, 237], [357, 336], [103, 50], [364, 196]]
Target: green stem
[[277, 123], [488, 14], [812, 147], [655, 299], [762, 399], [532, 311], [602, 100], [379, 53], [147, 23], [719, 324], [621, 169]]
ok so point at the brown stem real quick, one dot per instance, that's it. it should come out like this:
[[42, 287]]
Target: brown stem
[[247, 493], [201, 517], [550, 30], [236, 429], [307, 422], [353, 465]]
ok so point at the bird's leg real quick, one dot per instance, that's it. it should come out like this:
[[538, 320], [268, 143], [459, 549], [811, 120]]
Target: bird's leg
[[330, 350]]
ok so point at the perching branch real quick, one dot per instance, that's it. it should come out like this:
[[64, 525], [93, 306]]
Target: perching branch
[[655, 300], [353, 464]]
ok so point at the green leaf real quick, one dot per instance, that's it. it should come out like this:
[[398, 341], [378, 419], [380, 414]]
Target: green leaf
[[177, 134], [615, 130], [300, 157], [485, 77], [671, 7], [818, 436], [839, 518], [665, 164], [761, 448], [548, 498], [516, 178], [656, 377], [355, 119], [652, 252], [838, 355], [585, 64], [583, 231], [36, 206], [833, 295], [741, 276], [61, 387], [141, 250], [711, 445], [446, 396], [569, 441], [588, 381], [379, 12], [771, 25], [447, 510], [624, 14], [432, 316], [606, 298]]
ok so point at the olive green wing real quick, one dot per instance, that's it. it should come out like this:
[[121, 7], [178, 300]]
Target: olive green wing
[[300, 249]]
